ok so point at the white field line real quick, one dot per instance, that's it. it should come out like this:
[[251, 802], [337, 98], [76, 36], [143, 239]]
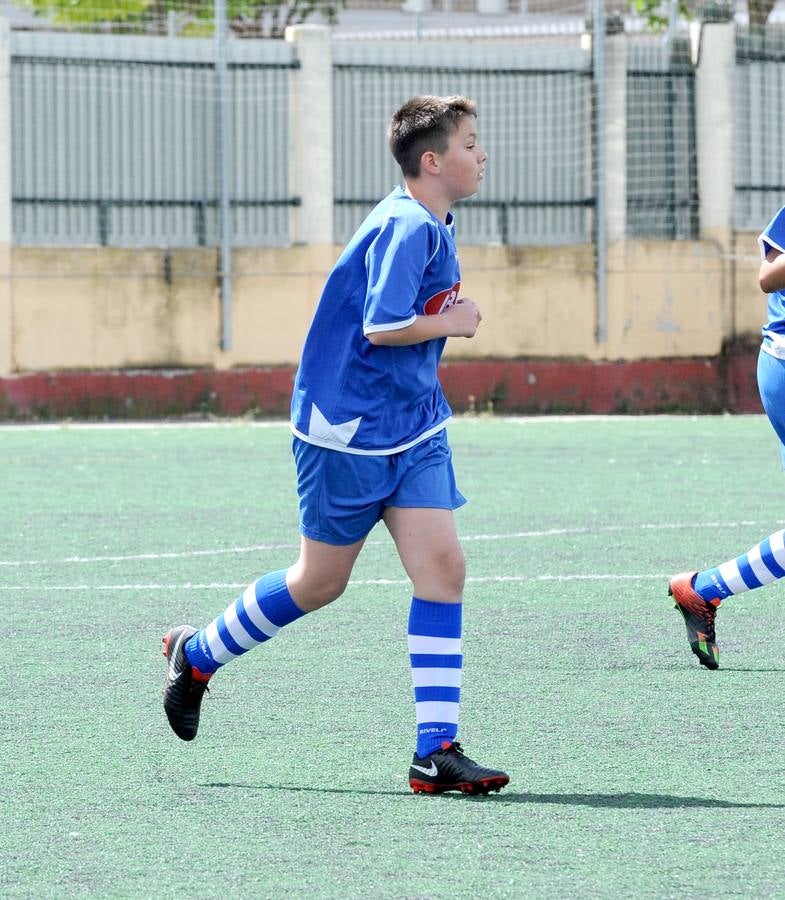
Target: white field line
[[284, 423], [260, 548], [145, 425], [239, 586], [183, 554]]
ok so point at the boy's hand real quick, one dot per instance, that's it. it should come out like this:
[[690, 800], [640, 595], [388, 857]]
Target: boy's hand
[[464, 316]]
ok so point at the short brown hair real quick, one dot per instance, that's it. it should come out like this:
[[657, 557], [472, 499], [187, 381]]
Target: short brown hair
[[425, 123]]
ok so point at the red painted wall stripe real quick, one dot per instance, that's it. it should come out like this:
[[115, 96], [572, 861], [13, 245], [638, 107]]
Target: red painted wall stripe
[[709, 385]]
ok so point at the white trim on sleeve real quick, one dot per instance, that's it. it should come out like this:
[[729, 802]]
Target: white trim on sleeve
[[763, 241], [390, 326]]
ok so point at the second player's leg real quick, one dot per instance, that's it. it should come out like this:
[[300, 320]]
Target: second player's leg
[[698, 594]]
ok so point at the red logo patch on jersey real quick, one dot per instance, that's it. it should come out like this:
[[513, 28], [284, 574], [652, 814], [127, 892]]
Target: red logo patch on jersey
[[442, 301]]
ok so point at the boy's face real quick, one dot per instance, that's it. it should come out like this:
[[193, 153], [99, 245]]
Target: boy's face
[[463, 163]]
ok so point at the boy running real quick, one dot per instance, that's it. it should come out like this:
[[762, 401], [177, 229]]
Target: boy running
[[369, 420]]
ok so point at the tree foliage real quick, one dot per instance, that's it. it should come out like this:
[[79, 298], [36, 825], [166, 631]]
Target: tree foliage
[[245, 18], [656, 12]]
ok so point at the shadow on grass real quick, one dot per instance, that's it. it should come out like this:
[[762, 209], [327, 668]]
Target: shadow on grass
[[598, 801], [297, 788]]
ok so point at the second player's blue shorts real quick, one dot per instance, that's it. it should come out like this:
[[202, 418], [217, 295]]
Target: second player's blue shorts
[[771, 384], [343, 495]]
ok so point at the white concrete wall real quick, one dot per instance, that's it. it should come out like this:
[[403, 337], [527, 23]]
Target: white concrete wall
[[714, 95], [714, 125], [616, 137], [6, 354], [311, 123]]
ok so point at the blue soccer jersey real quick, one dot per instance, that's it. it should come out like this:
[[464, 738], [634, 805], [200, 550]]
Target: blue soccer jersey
[[773, 237], [350, 395]]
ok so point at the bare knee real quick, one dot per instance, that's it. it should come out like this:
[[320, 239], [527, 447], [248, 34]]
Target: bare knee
[[311, 592], [444, 577], [455, 571]]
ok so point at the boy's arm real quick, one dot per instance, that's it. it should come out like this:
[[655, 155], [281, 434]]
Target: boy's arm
[[771, 276], [460, 320]]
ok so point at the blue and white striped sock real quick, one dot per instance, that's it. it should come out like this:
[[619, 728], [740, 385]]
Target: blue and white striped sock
[[256, 616], [764, 563], [436, 660]]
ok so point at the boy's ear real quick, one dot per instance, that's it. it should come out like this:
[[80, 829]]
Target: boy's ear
[[429, 163]]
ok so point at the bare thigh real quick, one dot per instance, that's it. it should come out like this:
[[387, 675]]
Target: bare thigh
[[321, 573], [428, 546]]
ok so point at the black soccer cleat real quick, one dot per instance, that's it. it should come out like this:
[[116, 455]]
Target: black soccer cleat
[[184, 686], [449, 769]]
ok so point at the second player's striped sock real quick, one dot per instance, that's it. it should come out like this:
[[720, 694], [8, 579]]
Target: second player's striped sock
[[764, 563], [255, 617], [436, 660]]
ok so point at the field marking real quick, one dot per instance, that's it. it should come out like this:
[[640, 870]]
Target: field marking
[[183, 554], [257, 548], [458, 419], [148, 425], [367, 582]]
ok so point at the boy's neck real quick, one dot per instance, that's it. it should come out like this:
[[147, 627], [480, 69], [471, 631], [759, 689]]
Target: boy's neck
[[418, 190]]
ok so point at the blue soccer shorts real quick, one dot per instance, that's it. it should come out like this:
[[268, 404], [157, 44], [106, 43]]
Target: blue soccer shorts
[[343, 495], [771, 384]]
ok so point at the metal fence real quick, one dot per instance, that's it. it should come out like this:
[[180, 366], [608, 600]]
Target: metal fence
[[662, 170], [535, 123], [113, 146], [114, 138], [759, 178]]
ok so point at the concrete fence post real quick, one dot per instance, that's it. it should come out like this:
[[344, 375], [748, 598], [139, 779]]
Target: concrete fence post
[[714, 94], [417, 6], [609, 59], [492, 7], [615, 137], [6, 352], [311, 134], [714, 121], [614, 184]]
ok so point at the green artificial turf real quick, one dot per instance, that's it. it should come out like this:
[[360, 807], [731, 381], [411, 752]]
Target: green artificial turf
[[634, 772]]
